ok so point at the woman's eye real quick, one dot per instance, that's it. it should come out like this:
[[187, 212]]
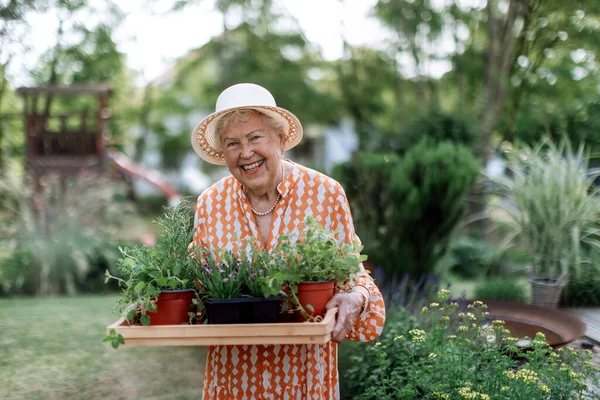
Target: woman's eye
[[231, 144], [254, 138]]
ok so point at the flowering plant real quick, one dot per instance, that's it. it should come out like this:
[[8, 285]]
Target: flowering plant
[[441, 353], [227, 275], [258, 272], [219, 279]]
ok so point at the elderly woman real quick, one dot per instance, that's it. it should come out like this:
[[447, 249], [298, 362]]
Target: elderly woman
[[265, 197]]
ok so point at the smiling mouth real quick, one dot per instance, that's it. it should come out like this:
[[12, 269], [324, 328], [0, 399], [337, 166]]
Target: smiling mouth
[[253, 166]]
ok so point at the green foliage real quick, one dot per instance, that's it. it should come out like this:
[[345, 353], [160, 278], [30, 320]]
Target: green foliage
[[317, 256], [501, 288], [471, 257], [146, 271], [440, 126], [551, 206], [440, 353], [365, 179], [583, 289], [228, 275], [52, 240], [407, 208], [428, 188]]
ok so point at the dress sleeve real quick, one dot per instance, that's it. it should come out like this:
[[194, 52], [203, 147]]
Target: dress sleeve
[[369, 324], [199, 224]]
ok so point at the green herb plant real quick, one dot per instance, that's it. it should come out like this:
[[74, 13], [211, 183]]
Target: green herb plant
[[317, 256], [147, 271]]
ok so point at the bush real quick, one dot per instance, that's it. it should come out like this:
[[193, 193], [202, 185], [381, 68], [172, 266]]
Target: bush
[[407, 208], [441, 353], [428, 189], [583, 288], [366, 181], [471, 257], [500, 288], [52, 241]]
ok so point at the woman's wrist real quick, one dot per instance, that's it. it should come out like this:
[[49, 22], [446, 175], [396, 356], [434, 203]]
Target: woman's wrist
[[364, 292]]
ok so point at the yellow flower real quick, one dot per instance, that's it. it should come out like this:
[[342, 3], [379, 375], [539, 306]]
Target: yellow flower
[[445, 319], [544, 388], [498, 322], [432, 356], [401, 337], [441, 395], [463, 328], [443, 294], [433, 305], [424, 310], [504, 389]]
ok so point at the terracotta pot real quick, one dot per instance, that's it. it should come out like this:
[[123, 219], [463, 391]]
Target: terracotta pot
[[317, 294], [172, 307]]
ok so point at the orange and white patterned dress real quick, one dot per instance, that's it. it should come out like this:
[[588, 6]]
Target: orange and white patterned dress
[[223, 216]]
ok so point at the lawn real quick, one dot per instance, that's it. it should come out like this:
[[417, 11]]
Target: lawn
[[51, 348]]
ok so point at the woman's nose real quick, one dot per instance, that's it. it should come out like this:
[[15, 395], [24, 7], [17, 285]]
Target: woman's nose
[[247, 151]]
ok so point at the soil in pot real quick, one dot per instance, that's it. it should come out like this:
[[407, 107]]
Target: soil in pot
[[172, 307], [315, 294]]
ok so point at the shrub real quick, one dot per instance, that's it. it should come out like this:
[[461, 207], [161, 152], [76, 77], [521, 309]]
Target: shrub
[[471, 257], [428, 189], [444, 354], [407, 208], [52, 240], [501, 288]]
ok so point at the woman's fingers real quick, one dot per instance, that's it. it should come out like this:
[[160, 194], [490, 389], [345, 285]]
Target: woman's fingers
[[349, 306]]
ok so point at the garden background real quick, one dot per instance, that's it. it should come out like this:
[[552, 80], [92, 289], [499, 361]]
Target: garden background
[[420, 151]]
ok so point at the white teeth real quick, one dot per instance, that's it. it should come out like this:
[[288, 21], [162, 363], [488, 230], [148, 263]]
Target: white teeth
[[252, 167]]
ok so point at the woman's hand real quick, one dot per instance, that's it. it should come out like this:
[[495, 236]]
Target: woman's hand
[[349, 307]]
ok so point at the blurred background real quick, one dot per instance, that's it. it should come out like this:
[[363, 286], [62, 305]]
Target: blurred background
[[408, 103]]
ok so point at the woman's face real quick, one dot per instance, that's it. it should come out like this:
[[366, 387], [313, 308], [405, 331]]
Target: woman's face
[[252, 151]]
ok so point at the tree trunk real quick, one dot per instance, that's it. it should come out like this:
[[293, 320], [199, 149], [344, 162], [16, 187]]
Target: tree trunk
[[498, 63]]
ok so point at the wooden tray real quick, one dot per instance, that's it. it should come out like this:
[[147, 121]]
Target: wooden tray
[[207, 335]]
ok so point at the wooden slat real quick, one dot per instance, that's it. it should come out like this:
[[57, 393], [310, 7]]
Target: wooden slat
[[230, 334], [591, 318]]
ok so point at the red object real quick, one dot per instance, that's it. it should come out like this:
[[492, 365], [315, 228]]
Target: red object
[[317, 294], [172, 308], [128, 167]]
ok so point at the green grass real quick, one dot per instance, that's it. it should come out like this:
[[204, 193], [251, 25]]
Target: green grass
[[51, 348]]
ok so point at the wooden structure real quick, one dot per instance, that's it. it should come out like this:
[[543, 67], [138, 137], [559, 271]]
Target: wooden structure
[[64, 143], [236, 334]]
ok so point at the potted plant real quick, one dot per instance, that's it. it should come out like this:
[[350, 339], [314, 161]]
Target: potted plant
[[313, 265], [552, 207], [237, 287], [157, 282]]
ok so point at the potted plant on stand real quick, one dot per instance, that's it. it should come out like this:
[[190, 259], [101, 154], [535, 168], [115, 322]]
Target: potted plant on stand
[[552, 207], [157, 282], [313, 265]]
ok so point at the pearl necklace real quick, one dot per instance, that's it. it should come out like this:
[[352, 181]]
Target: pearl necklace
[[270, 210]]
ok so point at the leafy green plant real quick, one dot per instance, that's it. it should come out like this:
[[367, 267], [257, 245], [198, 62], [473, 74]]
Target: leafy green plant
[[219, 279], [501, 288], [146, 271], [317, 256], [444, 353], [551, 205]]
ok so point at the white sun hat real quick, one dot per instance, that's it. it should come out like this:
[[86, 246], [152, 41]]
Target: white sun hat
[[205, 140]]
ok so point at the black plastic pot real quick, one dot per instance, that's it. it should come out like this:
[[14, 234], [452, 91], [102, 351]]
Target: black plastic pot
[[243, 310], [266, 310]]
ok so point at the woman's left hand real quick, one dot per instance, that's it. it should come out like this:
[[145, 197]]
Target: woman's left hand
[[349, 305]]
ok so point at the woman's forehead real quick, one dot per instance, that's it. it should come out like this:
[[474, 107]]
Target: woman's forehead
[[254, 123]]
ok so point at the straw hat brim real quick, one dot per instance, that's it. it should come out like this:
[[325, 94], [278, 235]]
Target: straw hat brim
[[206, 143]]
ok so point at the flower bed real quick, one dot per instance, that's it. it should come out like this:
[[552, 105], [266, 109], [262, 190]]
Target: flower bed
[[445, 353]]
